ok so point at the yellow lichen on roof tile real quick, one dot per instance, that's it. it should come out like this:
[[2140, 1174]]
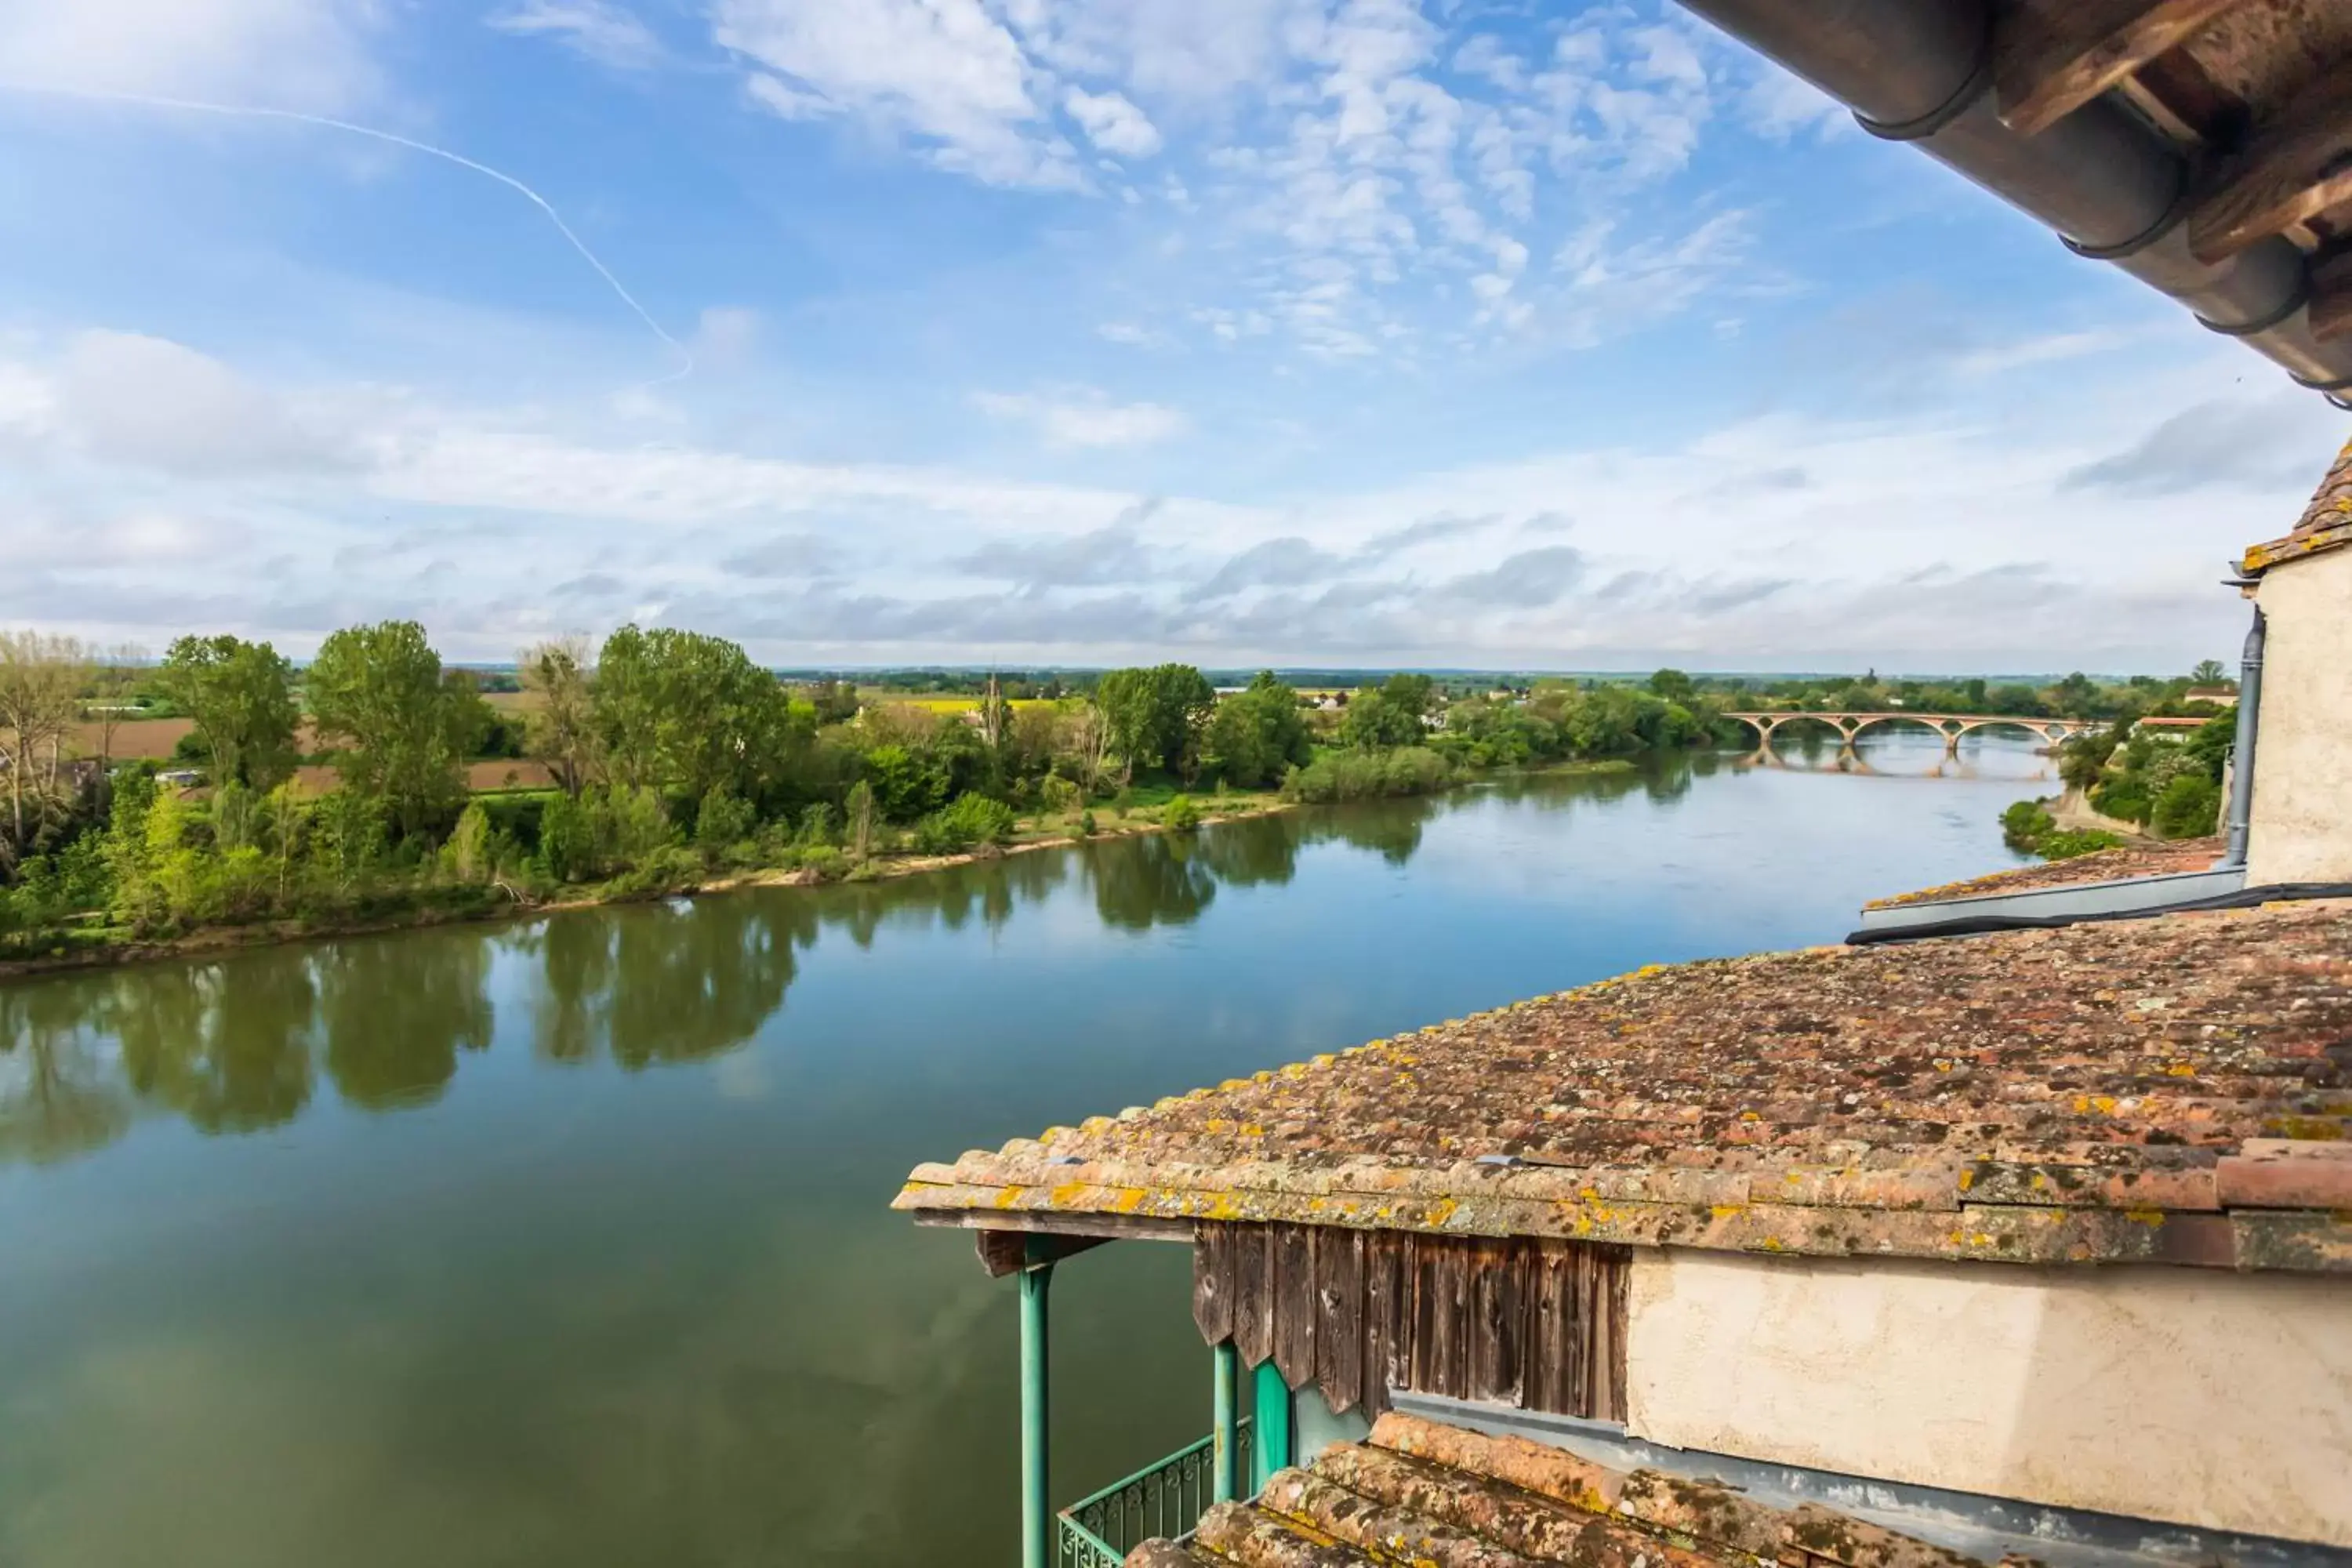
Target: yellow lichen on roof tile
[[1834, 1101]]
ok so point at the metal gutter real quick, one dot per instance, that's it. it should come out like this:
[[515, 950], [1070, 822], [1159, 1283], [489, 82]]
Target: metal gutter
[[1986, 1528], [2043, 906], [2114, 188]]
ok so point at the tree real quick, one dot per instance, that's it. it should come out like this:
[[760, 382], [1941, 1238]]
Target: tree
[[560, 728], [111, 683], [1258, 734], [1157, 715], [2208, 672], [689, 712], [240, 697], [859, 810], [1673, 685], [41, 677], [409, 724]]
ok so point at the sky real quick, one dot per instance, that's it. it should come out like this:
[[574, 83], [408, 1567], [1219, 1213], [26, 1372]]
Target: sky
[[1350, 332]]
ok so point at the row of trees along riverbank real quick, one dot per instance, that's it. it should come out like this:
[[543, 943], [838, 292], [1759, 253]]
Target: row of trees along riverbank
[[676, 761]]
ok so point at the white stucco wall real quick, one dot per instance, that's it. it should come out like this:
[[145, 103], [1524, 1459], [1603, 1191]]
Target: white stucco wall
[[2194, 1396], [2302, 755]]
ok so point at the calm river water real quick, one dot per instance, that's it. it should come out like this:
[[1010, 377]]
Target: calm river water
[[567, 1244]]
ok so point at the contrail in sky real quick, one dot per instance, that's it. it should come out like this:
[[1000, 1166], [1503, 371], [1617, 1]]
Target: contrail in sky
[[249, 111]]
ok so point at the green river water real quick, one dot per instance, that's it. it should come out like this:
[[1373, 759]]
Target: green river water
[[566, 1244]]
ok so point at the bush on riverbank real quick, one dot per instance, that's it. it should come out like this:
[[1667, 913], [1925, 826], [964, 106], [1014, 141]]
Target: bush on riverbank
[[1367, 775], [2030, 830]]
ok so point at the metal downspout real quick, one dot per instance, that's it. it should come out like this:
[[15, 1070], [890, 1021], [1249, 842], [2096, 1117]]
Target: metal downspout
[[1226, 1473], [1036, 1507], [2113, 187], [2241, 775]]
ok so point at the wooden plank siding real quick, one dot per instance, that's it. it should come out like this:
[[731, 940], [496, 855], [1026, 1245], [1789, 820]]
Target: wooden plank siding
[[1530, 1322]]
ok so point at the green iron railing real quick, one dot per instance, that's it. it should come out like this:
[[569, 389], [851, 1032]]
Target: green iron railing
[[1165, 1500]]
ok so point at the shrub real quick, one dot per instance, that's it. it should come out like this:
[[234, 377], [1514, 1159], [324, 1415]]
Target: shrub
[[2187, 807], [973, 819], [1181, 815], [1363, 775], [1086, 824], [2024, 825], [2065, 845], [567, 840], [722, 821]]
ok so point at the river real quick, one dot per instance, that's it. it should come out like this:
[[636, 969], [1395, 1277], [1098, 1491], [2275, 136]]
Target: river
[[566, 1244]]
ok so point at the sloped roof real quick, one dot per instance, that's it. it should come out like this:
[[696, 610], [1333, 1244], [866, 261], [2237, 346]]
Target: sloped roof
[[2147, 860], [1421, 1491], [2177, 1089], [2326, 522]]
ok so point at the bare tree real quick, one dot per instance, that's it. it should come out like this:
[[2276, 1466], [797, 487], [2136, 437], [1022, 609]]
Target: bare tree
[[116, 674], [560, 727], [41, 681]]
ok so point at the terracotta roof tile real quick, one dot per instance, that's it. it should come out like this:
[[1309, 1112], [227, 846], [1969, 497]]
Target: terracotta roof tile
[[2150, 859], [2326, 522], [1425, 1492], [2042, 1096]]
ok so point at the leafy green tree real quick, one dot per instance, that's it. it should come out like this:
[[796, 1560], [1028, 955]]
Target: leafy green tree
[[1673, 685], [560, 730], [1409, 692], [1258, 734], [567, 840], [2185, 808], [409, 724], [860, 813], [723, 821], [685, 711], [1375, 721], [240, 697], [2208, 672], [1156, 716], [905, 783]]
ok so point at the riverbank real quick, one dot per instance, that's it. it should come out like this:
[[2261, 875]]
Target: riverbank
[[499, 902]]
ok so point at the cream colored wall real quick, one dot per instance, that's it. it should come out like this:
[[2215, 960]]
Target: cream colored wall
[[2198, 1396], [2303, 754]]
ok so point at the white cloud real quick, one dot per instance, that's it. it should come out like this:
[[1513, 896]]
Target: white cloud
[[1931, 532], [1112, 123], [2046, 349], [943, 72], [1085, 422], [595, 29], [725, 336], [306, 55], [148, 404]]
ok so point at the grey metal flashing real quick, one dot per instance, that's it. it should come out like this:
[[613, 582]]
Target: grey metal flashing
[[2083, 900], [1987, 1528]]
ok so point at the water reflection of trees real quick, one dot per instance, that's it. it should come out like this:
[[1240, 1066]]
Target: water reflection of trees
[[61, 1093], [395, 1011], [239, 1046], [227, 1045]]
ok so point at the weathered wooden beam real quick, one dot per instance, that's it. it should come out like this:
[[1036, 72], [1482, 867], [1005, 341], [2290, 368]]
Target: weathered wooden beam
[[2052, 59], [1294, 1304], [2295, 168], [1108, 1227], [2331, 297], [1212, 1282], [1004, 1252]]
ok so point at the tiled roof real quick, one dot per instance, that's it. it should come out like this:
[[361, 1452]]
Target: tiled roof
[[1423, 1492], [2150, 859], [2326, 523], [2177, 1089]]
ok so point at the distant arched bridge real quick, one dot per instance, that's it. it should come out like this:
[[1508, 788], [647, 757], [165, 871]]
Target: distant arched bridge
[[1950, 726]]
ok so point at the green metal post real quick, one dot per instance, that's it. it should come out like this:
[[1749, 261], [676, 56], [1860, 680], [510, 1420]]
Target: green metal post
[[1269, 1426], [1226, 1473], [1036, 1509]]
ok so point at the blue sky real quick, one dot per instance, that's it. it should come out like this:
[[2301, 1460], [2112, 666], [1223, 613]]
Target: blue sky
[[1075, 331]]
